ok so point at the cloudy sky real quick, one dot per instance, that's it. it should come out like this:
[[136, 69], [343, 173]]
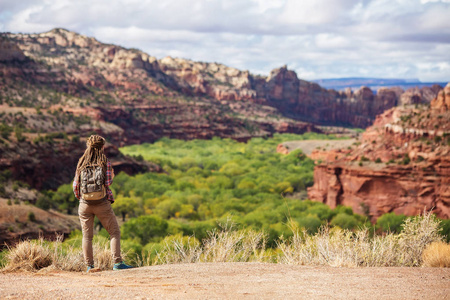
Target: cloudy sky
[[316, 38]]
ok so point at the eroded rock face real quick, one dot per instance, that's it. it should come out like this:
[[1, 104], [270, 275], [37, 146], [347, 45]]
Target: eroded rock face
[[10, 51], [79, 62], [77, 85], [417, 96], [442, 101], [401, 166], [295, 98]]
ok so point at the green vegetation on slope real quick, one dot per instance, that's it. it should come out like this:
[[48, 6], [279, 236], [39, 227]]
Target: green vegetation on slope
[[211, 181]]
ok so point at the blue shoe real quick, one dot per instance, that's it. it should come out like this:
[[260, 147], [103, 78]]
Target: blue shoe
[[89, 268], [121, 266]]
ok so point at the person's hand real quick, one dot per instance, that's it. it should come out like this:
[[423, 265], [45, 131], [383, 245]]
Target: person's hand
[[112, 174]]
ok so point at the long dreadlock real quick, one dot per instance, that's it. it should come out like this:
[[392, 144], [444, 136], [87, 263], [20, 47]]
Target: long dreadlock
[[93, 155]]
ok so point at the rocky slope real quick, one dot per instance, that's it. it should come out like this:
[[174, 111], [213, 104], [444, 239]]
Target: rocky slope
[[402, 164], [107, 74], [19, 222], [62, 84], [58, 87]]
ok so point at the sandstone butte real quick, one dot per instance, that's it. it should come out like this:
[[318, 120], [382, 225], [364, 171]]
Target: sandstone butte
[[402, 164]]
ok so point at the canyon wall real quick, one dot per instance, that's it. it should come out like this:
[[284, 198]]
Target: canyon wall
[[402, 165]]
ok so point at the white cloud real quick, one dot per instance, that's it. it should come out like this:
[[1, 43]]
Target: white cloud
[[321, 38]]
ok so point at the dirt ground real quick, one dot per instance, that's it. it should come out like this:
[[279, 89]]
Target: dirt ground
[[309, 146], [231, 281]]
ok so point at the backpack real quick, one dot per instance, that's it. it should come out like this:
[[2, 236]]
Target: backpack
[[92, 183]]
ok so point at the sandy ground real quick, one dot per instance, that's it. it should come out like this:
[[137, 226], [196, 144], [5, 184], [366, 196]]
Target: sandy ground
[[232, 281], [309, 146]]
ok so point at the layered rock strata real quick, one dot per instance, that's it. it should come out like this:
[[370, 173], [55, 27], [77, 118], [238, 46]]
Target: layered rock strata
[[402, 165], [85, 62]]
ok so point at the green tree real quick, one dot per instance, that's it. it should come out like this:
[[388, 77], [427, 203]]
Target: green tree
[[64, 198], [390, 222], [310, 223], [124, 206], [344, 221], [145, 229]]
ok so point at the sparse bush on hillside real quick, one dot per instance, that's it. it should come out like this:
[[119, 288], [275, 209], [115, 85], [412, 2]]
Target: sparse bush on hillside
[[5, 130], [43, 202], [19, 134], [31, 217]]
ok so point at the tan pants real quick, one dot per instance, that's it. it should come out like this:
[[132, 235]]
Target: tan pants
[[105, 214]]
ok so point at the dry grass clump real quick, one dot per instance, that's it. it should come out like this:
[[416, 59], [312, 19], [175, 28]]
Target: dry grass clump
[[67, 257], [419, 243], [36, 255], [29, 256], [225, 245], [337, 247], [437, 254]]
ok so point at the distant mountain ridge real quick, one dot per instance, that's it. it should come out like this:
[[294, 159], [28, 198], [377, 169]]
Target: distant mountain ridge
[[373, 83]]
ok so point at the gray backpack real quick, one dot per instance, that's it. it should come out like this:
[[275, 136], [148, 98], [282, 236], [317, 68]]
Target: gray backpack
[[92, 183]]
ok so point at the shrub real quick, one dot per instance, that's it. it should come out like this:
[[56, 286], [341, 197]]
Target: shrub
[[43, 202], [437, 254], [310, 223], [390, 222], [76, 138], [5, 130], [31, 217], [344, 221], [406, 160], [29, 255], [19, 134], [445, 229], [417, 233], [363, 158], [339, 247]]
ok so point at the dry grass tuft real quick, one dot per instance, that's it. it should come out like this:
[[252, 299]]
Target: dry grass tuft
[[437, 254], [29, 256], [418, 244], [228, 245], [224, 245], [38, 255], [67, 258], [343, 248], [102, 259]]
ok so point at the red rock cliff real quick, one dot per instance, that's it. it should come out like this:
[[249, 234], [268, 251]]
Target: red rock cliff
[[401, 166]]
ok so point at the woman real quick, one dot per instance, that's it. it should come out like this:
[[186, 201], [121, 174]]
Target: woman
[[93, 177]]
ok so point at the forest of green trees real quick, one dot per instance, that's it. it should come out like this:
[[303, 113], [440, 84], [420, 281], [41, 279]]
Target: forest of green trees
[[211, 182]]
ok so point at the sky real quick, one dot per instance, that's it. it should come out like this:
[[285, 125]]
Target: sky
[[316, 38]]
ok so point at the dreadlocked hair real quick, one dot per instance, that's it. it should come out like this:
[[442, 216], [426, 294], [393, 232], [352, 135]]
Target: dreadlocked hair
[[93, 155]]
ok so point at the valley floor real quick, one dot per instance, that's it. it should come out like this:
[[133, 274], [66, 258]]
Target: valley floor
[[231, 281]]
